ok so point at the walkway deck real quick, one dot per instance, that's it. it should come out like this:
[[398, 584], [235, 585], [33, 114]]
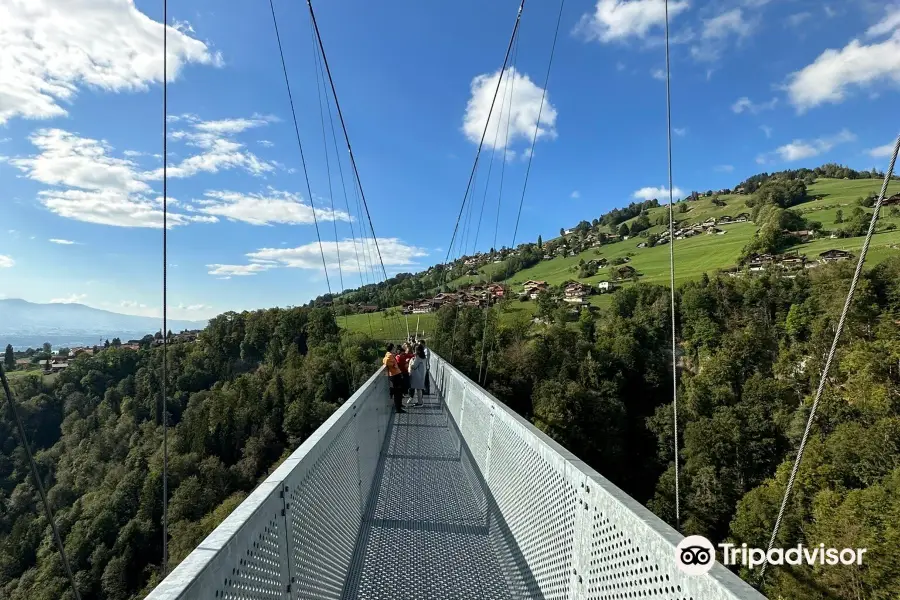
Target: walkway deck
[[428, 532]]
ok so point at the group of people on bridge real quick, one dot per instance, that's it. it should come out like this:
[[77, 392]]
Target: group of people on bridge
[[406, 366]]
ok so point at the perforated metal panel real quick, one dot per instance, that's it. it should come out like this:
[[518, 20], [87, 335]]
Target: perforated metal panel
[[295, 535], [575, 534], [325, 513]]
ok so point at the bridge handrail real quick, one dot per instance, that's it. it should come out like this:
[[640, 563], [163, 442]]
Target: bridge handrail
[[581, 535], [319, 492]]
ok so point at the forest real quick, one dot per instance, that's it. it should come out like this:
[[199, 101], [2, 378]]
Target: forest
[[751, 352], [240, 399]]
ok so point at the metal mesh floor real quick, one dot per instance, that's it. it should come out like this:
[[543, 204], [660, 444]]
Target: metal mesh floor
[[429, 531]]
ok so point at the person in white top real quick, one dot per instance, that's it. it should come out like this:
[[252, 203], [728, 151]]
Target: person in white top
[[418, 367]]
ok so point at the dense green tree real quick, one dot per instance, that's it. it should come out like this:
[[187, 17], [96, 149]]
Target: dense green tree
[[9, 358]]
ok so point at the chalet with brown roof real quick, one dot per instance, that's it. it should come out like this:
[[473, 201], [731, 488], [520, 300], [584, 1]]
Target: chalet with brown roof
[[834, 256], [575, 292], [892, 201], [626, 271]]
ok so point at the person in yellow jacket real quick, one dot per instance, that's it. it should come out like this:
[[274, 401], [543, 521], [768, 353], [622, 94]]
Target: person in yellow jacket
[[395, 375]]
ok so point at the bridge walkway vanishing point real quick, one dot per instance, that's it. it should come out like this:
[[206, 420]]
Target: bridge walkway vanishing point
[[459, 498]]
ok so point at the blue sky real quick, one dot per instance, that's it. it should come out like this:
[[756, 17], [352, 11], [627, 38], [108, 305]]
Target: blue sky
[[756, 85]]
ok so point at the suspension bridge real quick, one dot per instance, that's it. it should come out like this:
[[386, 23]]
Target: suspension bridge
[[459, 498]]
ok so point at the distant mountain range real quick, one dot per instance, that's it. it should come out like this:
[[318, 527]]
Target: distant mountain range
[[27, 324]]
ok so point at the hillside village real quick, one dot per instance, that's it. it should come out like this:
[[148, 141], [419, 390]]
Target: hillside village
[[54, 361], [821, 216]]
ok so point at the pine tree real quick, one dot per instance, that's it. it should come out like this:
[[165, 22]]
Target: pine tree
[[9, 359]]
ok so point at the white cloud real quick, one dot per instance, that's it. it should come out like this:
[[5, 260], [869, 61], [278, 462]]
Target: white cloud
[[6, 262], [263, 209], [882, 151], [857, 65], [394, 253], [724, 168], [520, 107], [680, 131], [660, 193], [766, 130], [618, 20], [242, 270], [89, 184], [265, 143], [718, 32], [797, 19], [744, 104], [829, 12], [620, 66], [726, 25], [71, 299], [131, 304], [575, 195], [658, 74], [888, 25], [51, 48], [802, 149], [232, 126], [194, 307], [218, 149], [62, 242]]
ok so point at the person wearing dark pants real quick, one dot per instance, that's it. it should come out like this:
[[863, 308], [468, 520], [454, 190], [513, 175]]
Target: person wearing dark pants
[[395, 377], [427, 371]]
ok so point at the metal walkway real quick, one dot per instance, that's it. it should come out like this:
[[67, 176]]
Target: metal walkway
[[426, 531], [460, 498]]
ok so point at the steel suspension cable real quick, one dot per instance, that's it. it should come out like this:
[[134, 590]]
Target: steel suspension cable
[[340, 113], [359, 265], [48, 512], [287, 84], [537, 125], [831, 352], [337, 245], [165, 290], [672, 273], [494, 152], [486, 123], [511, 84], [337, 105]]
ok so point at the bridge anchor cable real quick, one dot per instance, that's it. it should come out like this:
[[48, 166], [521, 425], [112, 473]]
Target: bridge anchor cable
[[831, 352]]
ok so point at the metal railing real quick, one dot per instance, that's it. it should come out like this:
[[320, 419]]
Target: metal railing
[[580, 535], [562, 529], [294, 536]]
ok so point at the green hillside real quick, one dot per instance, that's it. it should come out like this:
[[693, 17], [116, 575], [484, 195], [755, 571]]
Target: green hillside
[[693, 256]]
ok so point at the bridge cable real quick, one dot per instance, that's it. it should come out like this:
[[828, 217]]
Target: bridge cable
[[165, 290], [477, 155], [337, 245], [672, 272], [510, 87], [340, 113], [537, 125], [512, 91], [486, 122], [359, 265], [14, 415], [287, 84], [837, 336]]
